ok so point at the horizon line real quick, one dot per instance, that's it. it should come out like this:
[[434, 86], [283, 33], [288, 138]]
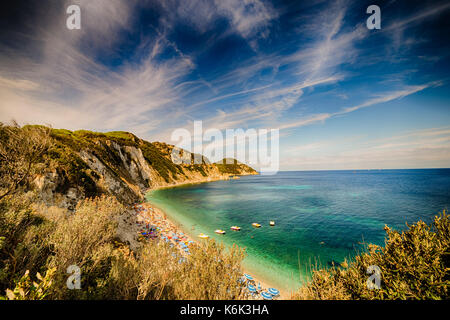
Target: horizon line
[[432, 168]]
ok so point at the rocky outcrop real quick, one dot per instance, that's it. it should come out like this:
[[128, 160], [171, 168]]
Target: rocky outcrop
[[48, 187], [109, 182]]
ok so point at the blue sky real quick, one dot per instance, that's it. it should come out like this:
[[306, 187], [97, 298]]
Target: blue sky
[[343, 96]]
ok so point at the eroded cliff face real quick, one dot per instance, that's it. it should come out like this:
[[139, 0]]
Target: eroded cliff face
[[124, 169], [127, 181], [48, 186]]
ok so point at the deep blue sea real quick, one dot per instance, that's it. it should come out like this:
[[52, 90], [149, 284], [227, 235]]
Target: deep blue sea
[[321, 216]]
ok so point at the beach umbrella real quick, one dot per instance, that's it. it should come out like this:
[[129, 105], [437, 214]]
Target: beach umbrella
[[273, 291], [252, 290], [249, 277], [266, 295], [250, 287]]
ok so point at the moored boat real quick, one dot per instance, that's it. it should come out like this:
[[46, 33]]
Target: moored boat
[[235, 228], [219, 231], [256, 225], [272, 223], [203, 236]]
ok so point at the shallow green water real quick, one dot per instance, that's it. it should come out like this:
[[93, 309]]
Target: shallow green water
[[321, 217]]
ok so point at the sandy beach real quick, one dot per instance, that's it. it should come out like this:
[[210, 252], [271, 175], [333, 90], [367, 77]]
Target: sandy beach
[[153, 223]]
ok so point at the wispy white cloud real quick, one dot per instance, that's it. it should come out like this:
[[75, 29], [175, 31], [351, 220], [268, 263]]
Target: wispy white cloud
[[428, 148], [401, 40], [423, 14], [248, 18], [69, 88], [389, 96], [18, 84]]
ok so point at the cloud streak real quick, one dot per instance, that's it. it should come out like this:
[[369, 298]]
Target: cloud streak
[[428, 148], [369, 103]]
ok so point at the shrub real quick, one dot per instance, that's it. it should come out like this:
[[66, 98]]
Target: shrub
[[21, 149], [211, 273], [26, 289], [159, 271], [84, 239], [23, 244], [414, 264]]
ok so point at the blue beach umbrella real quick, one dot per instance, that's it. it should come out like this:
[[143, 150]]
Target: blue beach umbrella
[[273, 291], [250, 287], [249, 277], [266, 295], [252, 290]]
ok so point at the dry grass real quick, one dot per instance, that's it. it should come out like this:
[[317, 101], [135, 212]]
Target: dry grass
[[210, 273], [54, 238], [161, 272]]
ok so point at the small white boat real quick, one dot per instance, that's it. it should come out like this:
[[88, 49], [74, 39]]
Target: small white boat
[[256, 225], [203, 236], [219, 231], [272, 223], [236, 228]]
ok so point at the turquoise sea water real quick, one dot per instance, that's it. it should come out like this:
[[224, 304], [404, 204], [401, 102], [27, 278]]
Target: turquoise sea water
[[321, 216]]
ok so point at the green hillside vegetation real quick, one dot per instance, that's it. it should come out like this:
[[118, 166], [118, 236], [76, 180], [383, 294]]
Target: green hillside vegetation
[[225, 166], [231, 166], [68, 142]]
